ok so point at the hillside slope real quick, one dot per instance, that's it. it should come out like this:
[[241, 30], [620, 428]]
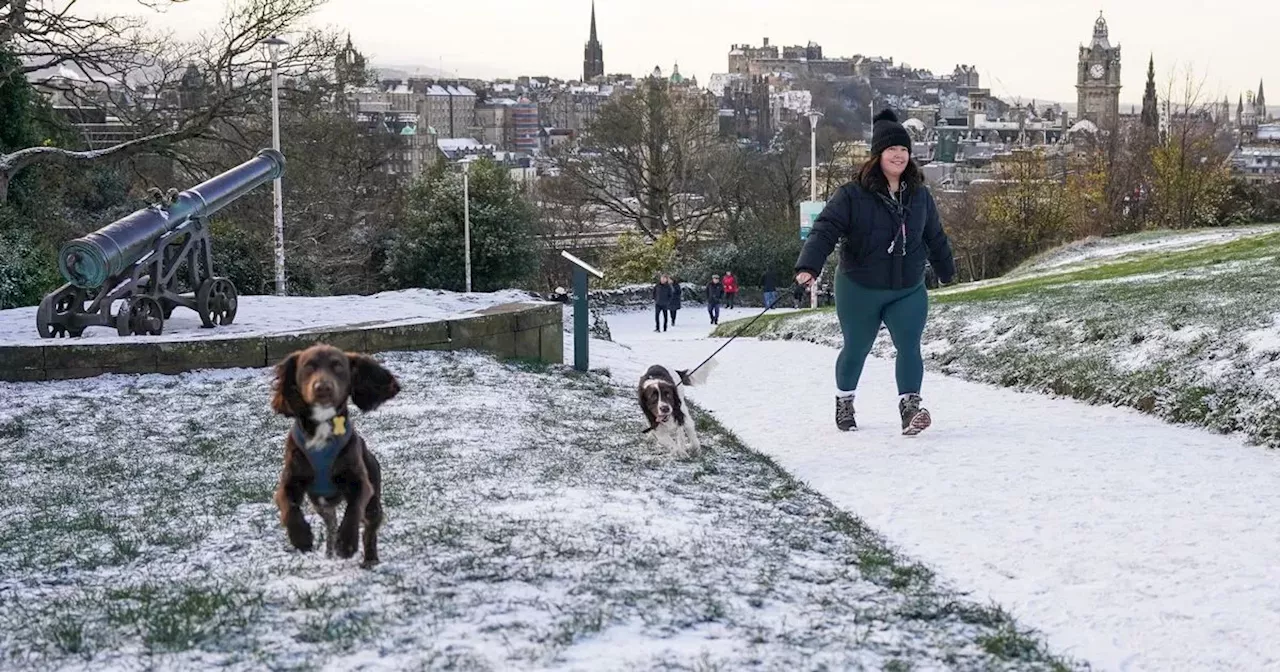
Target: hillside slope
[[1184, 326]]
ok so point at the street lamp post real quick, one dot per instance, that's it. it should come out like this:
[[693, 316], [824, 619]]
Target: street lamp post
[[814, 115], [466, 215], [273, 45]]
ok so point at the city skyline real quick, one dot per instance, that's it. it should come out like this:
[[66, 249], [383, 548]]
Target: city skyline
[[1023, 55]]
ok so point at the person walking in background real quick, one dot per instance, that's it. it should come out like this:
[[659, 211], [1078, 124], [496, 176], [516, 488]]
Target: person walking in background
[[677, 293], [661, 301], [730, 289], [715, 293], [890, 226], [770, 285]]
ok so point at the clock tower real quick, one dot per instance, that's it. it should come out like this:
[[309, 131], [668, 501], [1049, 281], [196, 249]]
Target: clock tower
[[1098, 80]]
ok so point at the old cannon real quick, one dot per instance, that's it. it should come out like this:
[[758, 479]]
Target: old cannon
[[136, 261]]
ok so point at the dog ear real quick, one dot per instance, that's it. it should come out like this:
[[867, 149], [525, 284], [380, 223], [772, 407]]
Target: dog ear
[[677, 409], [644, 407], [285, 399], [371, 384]]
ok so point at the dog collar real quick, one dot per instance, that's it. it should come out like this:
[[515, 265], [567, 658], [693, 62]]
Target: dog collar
[[325, 454]]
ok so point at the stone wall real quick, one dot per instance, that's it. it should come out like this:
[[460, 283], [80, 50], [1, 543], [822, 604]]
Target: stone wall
[[513, 330]]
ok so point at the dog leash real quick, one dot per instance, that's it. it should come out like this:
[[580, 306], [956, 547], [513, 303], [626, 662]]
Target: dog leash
[[780, 296]]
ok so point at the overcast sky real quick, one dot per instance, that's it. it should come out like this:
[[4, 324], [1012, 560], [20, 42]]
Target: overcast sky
[[1023, 49]]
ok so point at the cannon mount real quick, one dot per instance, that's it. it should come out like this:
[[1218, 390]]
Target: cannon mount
[[135, 261], [147, 292]]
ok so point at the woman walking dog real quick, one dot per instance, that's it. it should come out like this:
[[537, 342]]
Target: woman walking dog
[[890, 224]]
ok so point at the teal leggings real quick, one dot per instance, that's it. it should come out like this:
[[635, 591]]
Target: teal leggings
[[861, 311]]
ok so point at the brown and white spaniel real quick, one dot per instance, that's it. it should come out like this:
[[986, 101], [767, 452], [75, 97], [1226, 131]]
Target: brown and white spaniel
[[325, 459], [663, 405]]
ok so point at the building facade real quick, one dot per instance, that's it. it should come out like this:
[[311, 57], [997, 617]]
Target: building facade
[[496, 122], [451, 110], [393, 112], [525, 123]]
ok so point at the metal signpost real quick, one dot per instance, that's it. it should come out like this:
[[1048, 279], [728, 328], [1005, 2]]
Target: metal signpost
[[581, 319], [809, 211]]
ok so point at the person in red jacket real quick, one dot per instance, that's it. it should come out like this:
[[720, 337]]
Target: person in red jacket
[[730, 289]]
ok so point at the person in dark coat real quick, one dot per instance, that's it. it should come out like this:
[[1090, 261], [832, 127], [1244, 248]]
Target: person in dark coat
[[715, 294], [677, 293], [890, 226], [769, 283], [661, 301]]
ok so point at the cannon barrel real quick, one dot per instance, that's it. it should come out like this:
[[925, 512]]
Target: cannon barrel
[[88, 261]]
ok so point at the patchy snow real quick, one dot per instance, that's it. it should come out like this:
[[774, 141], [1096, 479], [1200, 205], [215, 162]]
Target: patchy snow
[[1131, 543], [1102, 249], [1264, 341], [264, 315], [529, 526]]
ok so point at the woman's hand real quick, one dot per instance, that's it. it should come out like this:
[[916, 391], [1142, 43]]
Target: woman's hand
[[803, 278]]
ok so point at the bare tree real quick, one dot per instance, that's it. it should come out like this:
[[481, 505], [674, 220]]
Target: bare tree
[[972, 240], [653, 159], [782, 176], [172, 94], [46, 34], [569, 216], [1190, 177]]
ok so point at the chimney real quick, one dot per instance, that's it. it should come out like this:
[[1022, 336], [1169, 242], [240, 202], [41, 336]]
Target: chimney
[[766, 41]]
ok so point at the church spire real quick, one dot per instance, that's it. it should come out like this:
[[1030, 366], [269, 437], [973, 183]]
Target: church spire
[[1150, 109], [593, 23], [593, 54]]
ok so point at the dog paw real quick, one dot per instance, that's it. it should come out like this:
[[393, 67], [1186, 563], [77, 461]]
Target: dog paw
[[301, 537], [348, 540]]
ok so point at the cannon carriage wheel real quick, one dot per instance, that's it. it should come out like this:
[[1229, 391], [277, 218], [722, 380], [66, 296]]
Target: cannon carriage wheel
[[140, 315], [216, 302], [52, 306]]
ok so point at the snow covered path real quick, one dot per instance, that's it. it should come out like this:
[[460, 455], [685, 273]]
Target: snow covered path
[[1131, 543]]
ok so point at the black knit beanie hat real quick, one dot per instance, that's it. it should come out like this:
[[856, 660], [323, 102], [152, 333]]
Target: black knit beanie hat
[[887, 132]]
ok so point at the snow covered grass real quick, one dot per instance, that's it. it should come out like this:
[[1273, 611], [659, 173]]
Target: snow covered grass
[[263, 315], [1096, 249], [1190, 335], [529, 525]]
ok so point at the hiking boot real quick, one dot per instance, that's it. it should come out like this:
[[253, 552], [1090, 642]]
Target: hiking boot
[[914, 418], [844, 414]]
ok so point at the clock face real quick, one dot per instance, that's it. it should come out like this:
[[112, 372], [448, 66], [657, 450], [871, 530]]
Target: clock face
[[1095, 71]]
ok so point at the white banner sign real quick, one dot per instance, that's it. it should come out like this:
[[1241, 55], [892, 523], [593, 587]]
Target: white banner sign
[[809, 211]]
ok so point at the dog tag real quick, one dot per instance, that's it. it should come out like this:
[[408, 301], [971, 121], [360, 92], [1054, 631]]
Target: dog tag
[[340, 425]]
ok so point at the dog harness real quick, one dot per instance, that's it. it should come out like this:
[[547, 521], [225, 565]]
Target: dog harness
[[324, 455]]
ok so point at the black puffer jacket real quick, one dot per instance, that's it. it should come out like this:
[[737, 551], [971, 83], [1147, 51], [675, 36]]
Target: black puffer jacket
[[715, 293], [662, 295], [875, 254]]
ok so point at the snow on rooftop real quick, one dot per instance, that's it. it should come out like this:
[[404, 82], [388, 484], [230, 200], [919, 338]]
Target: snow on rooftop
[[459, 144], [1268, 132], [1084, 125]]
